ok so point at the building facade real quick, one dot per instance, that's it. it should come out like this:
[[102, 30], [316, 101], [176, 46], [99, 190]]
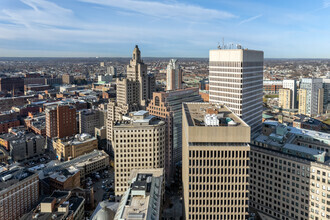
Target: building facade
[[133, 93], [292, 85], [11, 84], [289, 179], [236, 80], [173, 75], [86, 164], [67, 79], [138, 143], [72, 147], [90, 119], [285, 98], [61, 121], [19, 193], [8, 120], [215, 162], [168, 107], [311, 96], [272, 86]]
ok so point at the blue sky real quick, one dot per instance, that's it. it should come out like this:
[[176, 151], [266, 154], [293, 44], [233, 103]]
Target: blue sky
[[163, 28]]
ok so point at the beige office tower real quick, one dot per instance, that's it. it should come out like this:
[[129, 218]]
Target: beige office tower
[[236, 80], [173, 75], [215, 162], [133, 91], [292, 85], [138, 143], [285, 98]]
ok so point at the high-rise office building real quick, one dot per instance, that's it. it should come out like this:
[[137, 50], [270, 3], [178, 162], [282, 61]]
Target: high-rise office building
[[236, 80], [311, 96], [292, 85], [173, 75], [61, 121], [133, 91], [138, 143], [215, 162], [285, 98], [168, 107]]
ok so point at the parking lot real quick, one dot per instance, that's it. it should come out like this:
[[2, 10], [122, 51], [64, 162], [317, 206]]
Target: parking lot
[[103, 184]]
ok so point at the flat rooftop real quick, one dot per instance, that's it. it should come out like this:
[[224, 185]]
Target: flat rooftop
[[196, 112], [13, 176], [79, 161], [145, 190], [303, 149], [210, 124]]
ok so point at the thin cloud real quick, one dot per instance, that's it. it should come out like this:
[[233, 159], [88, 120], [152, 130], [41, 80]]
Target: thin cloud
[[249, 19], [42, 12], [326, 3], [165, 10]]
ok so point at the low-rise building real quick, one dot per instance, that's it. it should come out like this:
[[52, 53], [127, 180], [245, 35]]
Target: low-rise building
[[64, 179], [75, 146], [23, 111], [305, 122], [87, 164], [144, 198], [36, 87], [8, 120], [36, 123], [23, 145], [272, 86], [301, 137], [8, 102], [61, 205]]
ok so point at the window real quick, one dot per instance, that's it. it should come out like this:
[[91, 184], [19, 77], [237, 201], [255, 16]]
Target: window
[[157, 101]]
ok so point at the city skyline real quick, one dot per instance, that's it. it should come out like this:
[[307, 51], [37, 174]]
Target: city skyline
[[89, 28]]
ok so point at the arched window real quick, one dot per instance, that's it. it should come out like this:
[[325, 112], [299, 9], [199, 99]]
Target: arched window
[[157, 101]]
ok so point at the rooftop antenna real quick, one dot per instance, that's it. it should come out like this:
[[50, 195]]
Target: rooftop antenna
[[223, 42], [219, 47]]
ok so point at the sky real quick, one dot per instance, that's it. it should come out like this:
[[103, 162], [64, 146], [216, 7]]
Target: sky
[[163, 28]]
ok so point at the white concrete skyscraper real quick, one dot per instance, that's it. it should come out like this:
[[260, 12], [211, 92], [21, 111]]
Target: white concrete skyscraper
[[173, 75], [311, 96], [236, 80]]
